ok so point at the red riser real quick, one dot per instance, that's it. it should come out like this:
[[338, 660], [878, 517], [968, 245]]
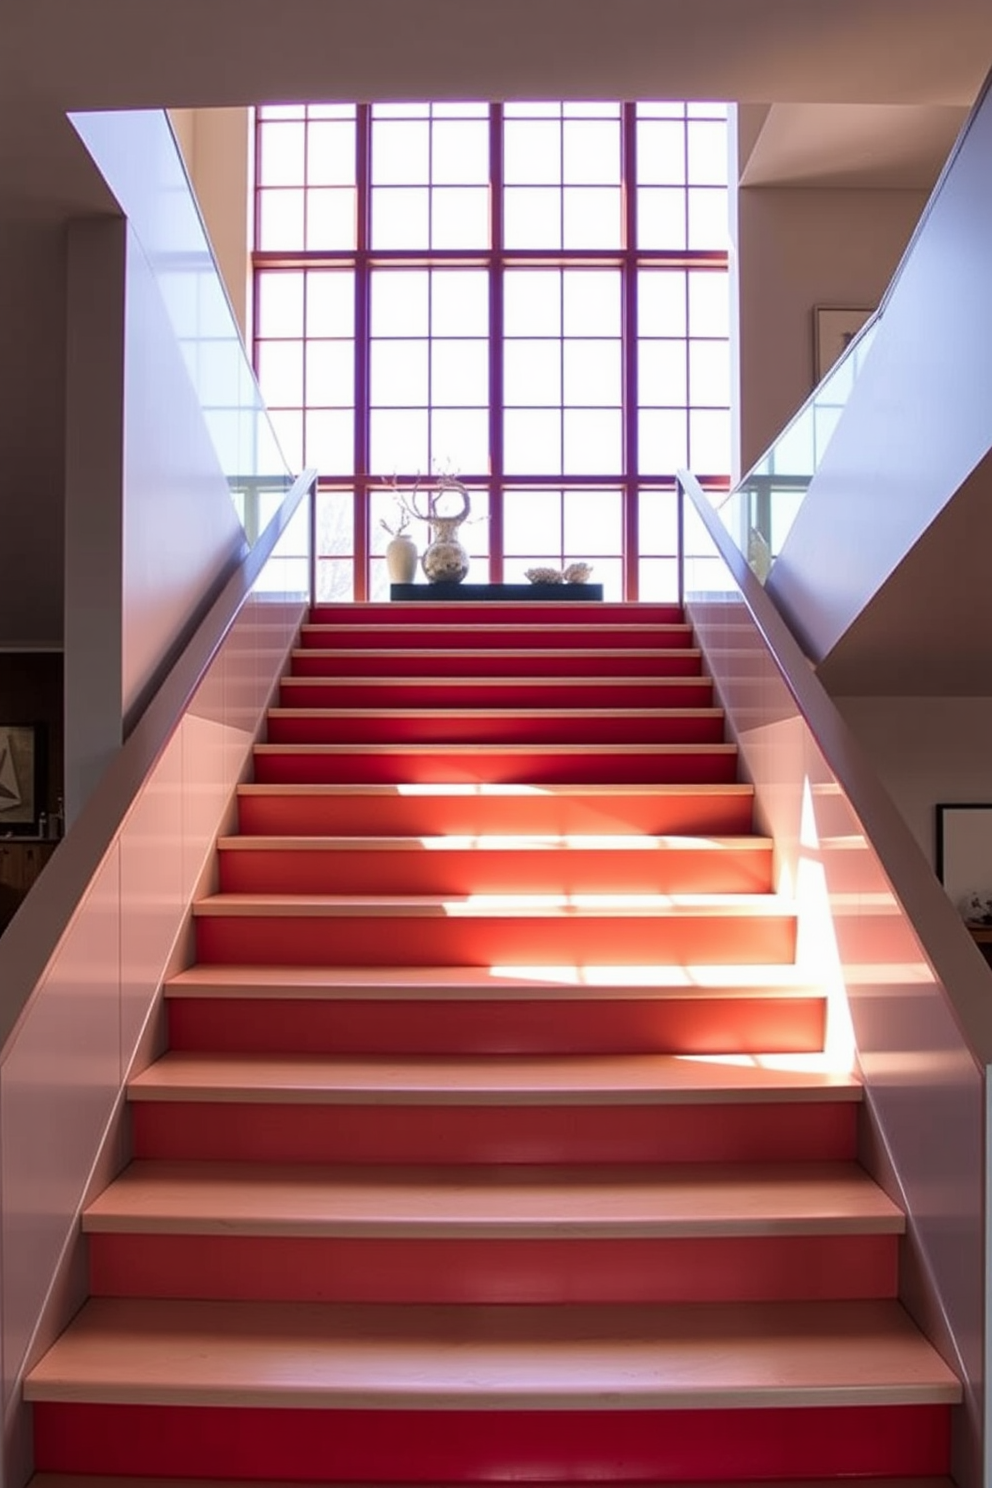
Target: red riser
[[407, 870], [740, 1268], [693, 1025], [463, 662], [272, 1132], [336, 727], [480, 940], [412, 633], [441, 692], [439, 767], [318, 1446], [485, 612], [391, 814]]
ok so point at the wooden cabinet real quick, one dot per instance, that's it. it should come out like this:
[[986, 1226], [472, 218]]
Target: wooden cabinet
[[21, 860]]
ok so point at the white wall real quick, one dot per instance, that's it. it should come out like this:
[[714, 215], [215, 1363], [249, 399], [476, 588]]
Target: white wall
[[926, 749], [796, 249]]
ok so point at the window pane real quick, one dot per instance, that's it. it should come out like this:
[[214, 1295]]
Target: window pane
[[706, 110], [709, 225], [660, 217], [400, 217], [288, 426], [398, 440], [593, 441], [532, 302], [658, 521], [661, 374], [661, 154], [330, 110], [709, 304], [400, 110], [335, 523], [400, 154], [593, 522], [460, 154], [532, 441], [399, 374], [709, 441], [280, 372], [460, 110], [592, 154], [280, 220], [593, 375], [587, 109], [460, 374], [331, 374], [283, 154], [661, 303], [330, 440], [532, 373], [532, 520], [460, 217], [658, 580], [330, 302], [709, 374], [399, 302], [532, 154], [591, 217], [335, 580], [662, 441], [532, 217], [532, 110], [708, 159], [331, 155], [280, 303], [591, 302], [459, 302], [282, 111], [331, 218], [460, 440]]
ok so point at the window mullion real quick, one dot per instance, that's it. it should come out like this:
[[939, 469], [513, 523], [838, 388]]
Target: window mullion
[[631, 538], [363, 139], [496, 270]]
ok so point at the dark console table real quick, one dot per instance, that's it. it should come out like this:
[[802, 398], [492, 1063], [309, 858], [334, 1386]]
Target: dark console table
[[496, 591]]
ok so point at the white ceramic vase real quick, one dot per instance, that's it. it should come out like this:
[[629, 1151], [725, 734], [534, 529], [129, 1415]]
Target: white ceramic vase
[[401, 559]]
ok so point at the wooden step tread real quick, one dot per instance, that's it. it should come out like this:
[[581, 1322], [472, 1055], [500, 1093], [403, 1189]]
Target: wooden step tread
[[469, 983], [496, 906], [495, 842], [205, 1198], [428, 1357], [648, 790], [484, 1080], [473, 751], [67, 1480], [524, 714], [464, 683], [500, 623], [601, 656]]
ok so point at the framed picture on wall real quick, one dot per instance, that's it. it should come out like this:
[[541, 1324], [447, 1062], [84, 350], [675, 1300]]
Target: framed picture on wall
[[833, 331], [964, 856], [22, 777]]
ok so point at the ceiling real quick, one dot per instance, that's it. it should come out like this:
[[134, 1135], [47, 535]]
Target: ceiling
[[926, 59]]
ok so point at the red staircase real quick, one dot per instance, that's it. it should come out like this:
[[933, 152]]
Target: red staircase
[[464, 1163]]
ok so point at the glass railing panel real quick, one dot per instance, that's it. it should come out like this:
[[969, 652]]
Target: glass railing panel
[[137, 153], [760, 511]]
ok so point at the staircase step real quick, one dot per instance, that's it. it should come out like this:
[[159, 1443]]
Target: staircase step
[[68, 1480], [473, 809], [493, 930], [509, 1109], [475, 612], [499, 764], [489, 1391], [505, 661], [406, 633], [401, 691], [494, 865], [492, 726], [457, 1010], [538, 1235]]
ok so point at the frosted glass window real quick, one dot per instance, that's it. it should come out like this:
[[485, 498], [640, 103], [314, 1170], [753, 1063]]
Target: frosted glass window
[[331, 154], [283, 151], [661, 153], [460, 440], [330, 369], [532, 302], [593, 373], [591, 302], [398, 440], [662, 377], [331, 218], [280, 303], [591, 217], [658, 521], [663, 440], [460, 154], [709, 440], [593, 441], [532, 441], [460, 217], [330, 303], [532, 217], [400, 217], [532, 519], [399, 374], [330, 440], [532, 373], [400, 302], [661, 303], [532, 154], [709, 304], [709, 374], [591, 153], [280, 220], [459, 302], [707, 152], [401, 154], [593, 522], [708, 221], [280, 372], [460, 373], [661, 217]]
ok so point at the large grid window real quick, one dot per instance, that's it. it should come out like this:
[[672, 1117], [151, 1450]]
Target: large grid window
[[530, 296]]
